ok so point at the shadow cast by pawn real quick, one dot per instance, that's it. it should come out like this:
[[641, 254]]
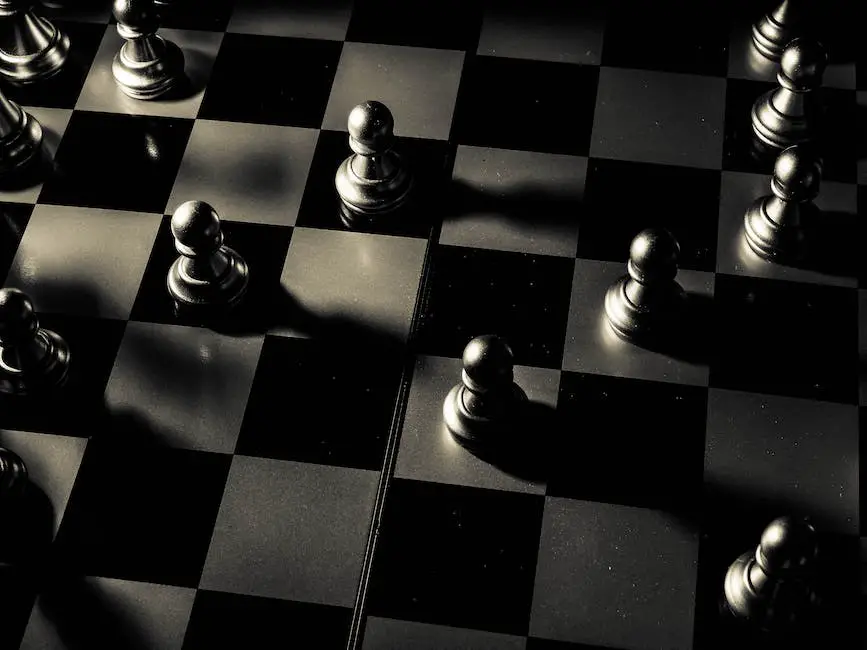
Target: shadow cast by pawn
[[687, 338]]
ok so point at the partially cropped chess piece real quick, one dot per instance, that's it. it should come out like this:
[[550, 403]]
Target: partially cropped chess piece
[[32, 48], [374, 180], [776, 29], [20, 137]]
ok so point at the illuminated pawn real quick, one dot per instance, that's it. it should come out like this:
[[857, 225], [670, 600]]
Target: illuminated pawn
[[777, 29], [208, 274], [32, 358]]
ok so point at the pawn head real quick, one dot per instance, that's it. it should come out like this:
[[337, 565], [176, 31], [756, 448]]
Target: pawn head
[[803, 62], [13, 473], [797, 173], [488, 361], [139, 15], [653, 256], [196, 227], [371, 128], [787, 544], [18, 320]]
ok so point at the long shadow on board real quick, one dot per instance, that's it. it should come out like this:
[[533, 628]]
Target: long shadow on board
[[196, 65], [523, 205], [688, 339], [831, 245], [524, 451]]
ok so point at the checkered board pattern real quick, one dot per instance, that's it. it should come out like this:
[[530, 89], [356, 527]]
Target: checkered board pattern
[[287, 482]]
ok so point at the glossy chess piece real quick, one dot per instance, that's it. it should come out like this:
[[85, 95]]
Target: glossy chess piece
[[777, 29], [13, 475], [775, 224], [208, 274], [32, 48], [32, 358], [787, 115], [485, 406], [147, 66], [373, 180], [770, 588], [20, 137], [646, 303]]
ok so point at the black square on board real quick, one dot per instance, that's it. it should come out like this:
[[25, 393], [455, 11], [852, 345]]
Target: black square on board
[[622, 198], [210, 15], [444, 24], [76, 409], [527, 105], [835, 142], [785, 338], [427, 160], [17, 595], [456, 556], [62, 89], [862, 233], [242, 621], [240, 91], [638, 443], [142, 513], [342, 398], [262, 246], [14, 218], [120, 162], [664, 36], [521, 297]]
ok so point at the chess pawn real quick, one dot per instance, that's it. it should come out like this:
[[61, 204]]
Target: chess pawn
[[20, 137], [374, 179], [32, 358], [13, 475], [147, 66], [484, 407], [774, 224], [31, 47], [207, 274], [770, 588], [786, 115], [645, 302], [776, 29]]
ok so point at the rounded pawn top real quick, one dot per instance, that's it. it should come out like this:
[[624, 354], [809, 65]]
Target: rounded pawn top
[[196, 226], [371, 126], [139, 15], [488, 361], [653, 256], [804, 62], [18, 320], [798, 172], [787, 543]]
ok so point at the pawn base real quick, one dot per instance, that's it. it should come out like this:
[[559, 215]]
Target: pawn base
[[642, 323], [769, 240], [776, 130], [51, 371], [473, 430], [19, 149], [223, 293], [151, 79], [41, 65], [363, 199]]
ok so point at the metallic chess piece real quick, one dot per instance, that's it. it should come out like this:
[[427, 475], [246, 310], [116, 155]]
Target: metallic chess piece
[[373, 180], [207, 274], [484, 406], [32, 358], [20, 137], [31, 47], [770, 587], [774, 224], [787, 115], [147, 66], [13, 474], [776, 29], [645, 302]]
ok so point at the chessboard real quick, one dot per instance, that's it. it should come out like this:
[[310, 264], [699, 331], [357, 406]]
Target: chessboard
[[288, 481]]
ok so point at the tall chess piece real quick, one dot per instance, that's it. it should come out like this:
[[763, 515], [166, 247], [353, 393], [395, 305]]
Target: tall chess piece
[[373, 180], [20, 137], [32, 358], [31, 47], [485, 407], [147, 66], [775, 224], [208, 274], [787, 115], [777, 29], [770, 589], [646, 303]]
